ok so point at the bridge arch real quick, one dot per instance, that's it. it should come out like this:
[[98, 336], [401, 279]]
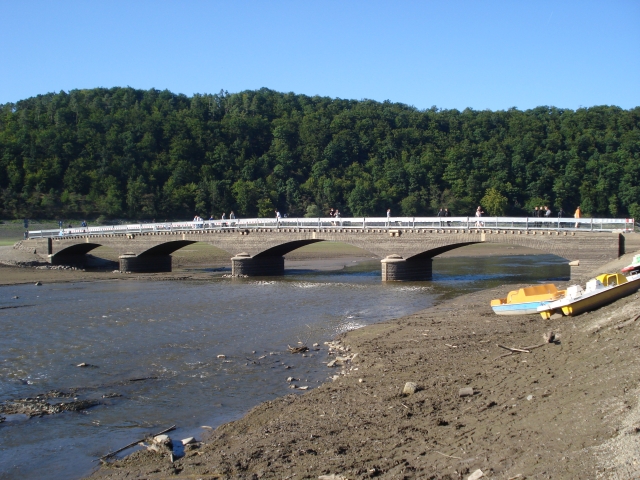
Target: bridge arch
[[284, 248], [166, 248], [76, 250], [434, 252]]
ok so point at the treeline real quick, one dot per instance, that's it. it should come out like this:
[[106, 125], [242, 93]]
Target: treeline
[[136, 154]]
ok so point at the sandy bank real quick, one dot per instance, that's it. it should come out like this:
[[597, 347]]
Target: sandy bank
[[565, 410]]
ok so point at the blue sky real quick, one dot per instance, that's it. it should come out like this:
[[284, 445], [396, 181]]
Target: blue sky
[[451, 54]]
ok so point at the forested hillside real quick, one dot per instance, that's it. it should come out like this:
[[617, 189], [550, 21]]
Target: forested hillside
[[126, 153]]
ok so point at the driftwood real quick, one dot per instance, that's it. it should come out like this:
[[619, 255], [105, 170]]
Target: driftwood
[[548, 337], [520, 350], [133, 444], [301, 349], [628, 322], [16, 306], [445, 455]]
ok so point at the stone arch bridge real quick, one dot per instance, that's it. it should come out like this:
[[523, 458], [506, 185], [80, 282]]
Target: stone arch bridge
[[406, 254]]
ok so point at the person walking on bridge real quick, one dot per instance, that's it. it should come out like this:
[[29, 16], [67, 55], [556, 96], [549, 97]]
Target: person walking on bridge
[[388, 216], [479, 214], [577, 214]]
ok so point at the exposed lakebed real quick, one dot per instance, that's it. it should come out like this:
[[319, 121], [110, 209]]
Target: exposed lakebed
[[160, 346]]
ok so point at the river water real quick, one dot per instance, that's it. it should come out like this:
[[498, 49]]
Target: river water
[[167, 336]]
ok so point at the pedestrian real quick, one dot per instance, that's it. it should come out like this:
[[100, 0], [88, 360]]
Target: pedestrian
[[577, 214], [547, 211], [224, 216], [331, 213], [560, 215], [278, 216], [479, 214], [447, 214], [232, 215], [440, 215], [388, 216]]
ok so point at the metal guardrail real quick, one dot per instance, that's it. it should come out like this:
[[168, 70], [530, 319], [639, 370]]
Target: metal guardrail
[[358, 223]]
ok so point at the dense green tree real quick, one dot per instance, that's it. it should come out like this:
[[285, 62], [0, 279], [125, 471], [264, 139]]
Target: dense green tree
[[494, 202], [139, 154]]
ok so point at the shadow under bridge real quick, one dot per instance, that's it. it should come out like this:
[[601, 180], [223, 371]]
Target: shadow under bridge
[[154, 259]]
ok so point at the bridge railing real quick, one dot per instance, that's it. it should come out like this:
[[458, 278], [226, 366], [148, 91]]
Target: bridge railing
[[358, 223]]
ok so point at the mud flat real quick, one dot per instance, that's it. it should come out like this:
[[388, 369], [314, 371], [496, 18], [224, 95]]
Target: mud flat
[[566, 409]]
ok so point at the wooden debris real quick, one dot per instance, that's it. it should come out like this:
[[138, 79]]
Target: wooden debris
[[301, 349], [445, 455], [133, 444], [620, 326], [520, 350]]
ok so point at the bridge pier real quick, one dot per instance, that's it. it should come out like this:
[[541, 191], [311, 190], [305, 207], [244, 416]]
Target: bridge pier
[[71, 260], [244, 264], [130, 262], [396, 268]]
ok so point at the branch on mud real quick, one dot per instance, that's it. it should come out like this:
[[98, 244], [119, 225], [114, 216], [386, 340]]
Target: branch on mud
[[549, 337], [520, 350], [445, 455], [133, 444]]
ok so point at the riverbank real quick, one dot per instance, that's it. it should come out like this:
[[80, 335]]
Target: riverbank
[[567, 409]]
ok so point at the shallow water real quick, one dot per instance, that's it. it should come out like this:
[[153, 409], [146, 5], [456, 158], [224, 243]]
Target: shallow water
[[171, 334]]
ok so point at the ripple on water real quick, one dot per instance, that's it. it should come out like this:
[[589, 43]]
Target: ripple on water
[[348, 326], [413, 288]]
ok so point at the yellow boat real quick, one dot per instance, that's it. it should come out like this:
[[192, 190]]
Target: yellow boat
[[599, 291], [526, 300]]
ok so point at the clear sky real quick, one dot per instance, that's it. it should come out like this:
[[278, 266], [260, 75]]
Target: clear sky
[[451, 54]]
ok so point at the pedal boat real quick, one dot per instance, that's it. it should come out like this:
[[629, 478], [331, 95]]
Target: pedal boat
[[634, 267], [599, 291], [526, 300]]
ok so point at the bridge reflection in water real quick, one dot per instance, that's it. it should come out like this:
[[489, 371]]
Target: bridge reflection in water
[[406, 245]]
